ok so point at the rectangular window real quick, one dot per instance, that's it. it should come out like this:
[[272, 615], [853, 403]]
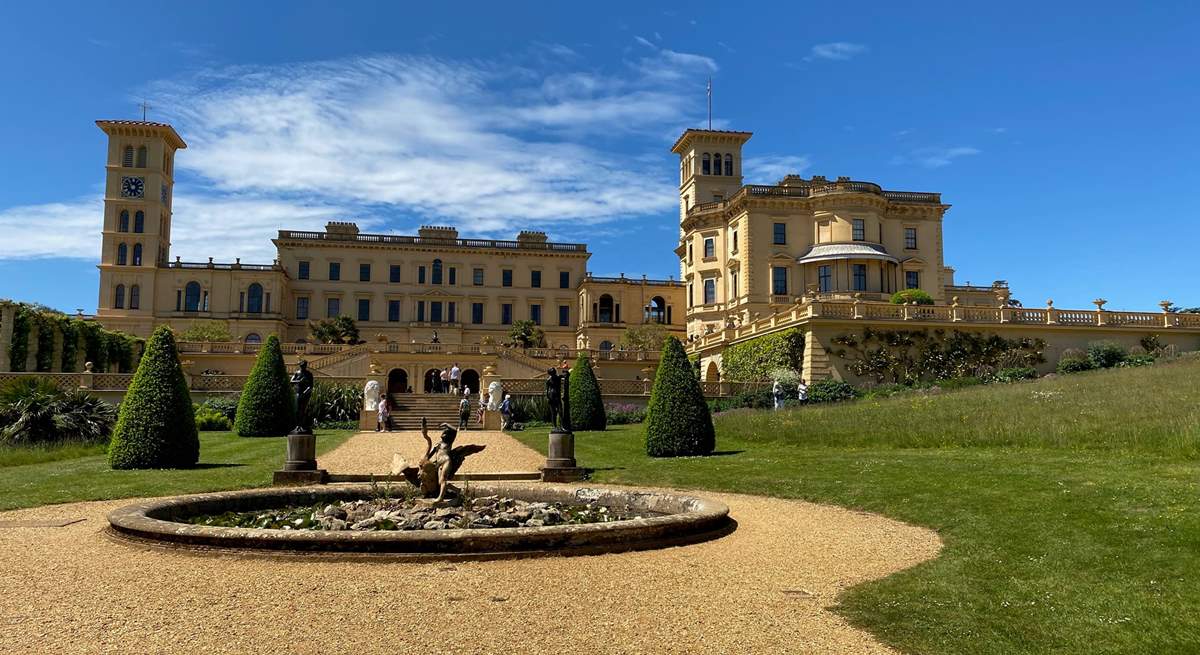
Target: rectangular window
[[564, 315], [691, 294], [421, 311], [710, 247], [394, 311], [451, 312], [435, 312], [860, 277], [364, 309], [779, 281], [535, 314], [333, 307], [477, 313], [535, 279], [735, 241], [824, 278], [302, 273], [242, 301], [364, 272], [477, 277], [860, 230], [178, 300], [394, 273], [733, 285], [453, 277], [910, 238], [335, 271], [506, 314], [780, 234], [420, 275], [710, 291], [302, 308], [506, 277], [564, 280], [912, 280]]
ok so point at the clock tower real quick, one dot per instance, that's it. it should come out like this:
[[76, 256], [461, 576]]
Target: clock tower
[[137, 214]]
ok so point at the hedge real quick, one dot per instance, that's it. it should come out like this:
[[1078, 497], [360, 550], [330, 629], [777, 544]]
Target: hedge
[[156, 427], [587, 406], [754, 360], [268, 404], [678, 421]]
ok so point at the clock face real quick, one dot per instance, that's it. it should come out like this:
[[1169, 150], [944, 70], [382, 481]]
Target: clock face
[[133, 187]]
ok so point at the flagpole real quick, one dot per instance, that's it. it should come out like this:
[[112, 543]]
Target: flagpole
[[709, 90]]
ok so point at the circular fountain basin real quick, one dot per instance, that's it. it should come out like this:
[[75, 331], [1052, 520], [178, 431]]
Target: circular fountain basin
[[668, 519]]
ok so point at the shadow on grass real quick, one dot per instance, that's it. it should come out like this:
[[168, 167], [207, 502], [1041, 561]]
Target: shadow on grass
[[724, 453], [215, 465]]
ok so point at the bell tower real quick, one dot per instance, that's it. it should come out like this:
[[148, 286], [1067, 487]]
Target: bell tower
[[136, 228], [710, 166]]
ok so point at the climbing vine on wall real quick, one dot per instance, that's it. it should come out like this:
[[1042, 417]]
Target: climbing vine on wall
[[910, 356], [18, 350], [109, 351], [45, 342], [754, 360]]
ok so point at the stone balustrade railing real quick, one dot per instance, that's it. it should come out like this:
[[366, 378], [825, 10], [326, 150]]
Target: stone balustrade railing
[[333, 353], [609, 388], [121, 381]]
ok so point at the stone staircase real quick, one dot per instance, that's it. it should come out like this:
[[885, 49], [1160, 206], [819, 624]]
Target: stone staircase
[[346, 363], [407, 410]]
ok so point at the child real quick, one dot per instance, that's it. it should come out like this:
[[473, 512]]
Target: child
[[464, 412], [381, 422], [484, 399], [506, 412]]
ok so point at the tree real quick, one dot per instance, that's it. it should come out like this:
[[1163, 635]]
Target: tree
[[644, 337], [267, 407], [587, 406], [678, 422], [912, 296], [156, 426], [333, 330], [207, 330], [526, 334]]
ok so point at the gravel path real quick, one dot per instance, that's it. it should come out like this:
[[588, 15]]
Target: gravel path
[[762, 589], [371, 452]]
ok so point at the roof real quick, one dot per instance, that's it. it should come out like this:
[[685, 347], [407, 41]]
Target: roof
[[828, 251], [135, 127], [691, 131]]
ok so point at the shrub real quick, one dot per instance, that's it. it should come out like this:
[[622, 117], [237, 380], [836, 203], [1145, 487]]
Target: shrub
[[911, 296], [156, 426], [531, 409], [526, 334], [338, 329], [648, 336], [1074, 360], [1015, 374], [211, 420], [831, 391], [624, 414], [334, 402], [915, 356], [267, 407], [757, 359], [587, 406], [34, 411], [226, 405], [1137, 360], [678, 421], [751, 399], [1106, 354], [207, 329]]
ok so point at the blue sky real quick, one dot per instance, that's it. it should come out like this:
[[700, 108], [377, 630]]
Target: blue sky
[[1063, 134]]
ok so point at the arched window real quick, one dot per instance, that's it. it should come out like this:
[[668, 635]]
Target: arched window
[[122, 254], [137, 254], [716, 163], [253, 338], [127, 158], [656, 310], [139, 222], [728, 164], [606, 309], [706, 164], [191, 297], [437, 271], [119, 297], [141, 160], [123, 222], [254, 299], [606, 346], [135, 297]]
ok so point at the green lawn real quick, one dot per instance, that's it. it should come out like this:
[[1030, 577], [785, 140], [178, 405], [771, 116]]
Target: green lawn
[[46, 476], [1068, 507]]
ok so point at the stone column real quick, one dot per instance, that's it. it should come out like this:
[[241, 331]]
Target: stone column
[[31, 351], [816, 360], [80, 352], [8, 312], [56, 361]]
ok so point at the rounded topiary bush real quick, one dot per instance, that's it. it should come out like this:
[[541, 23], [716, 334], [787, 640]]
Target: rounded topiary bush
[[831, 391], [156, 427], [587, 406], [267, 407], [678, 421], [911, 295]]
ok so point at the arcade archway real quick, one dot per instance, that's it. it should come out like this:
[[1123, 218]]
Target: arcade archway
[[397, 381], [470, 380]]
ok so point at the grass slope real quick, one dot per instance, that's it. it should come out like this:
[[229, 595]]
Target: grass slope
[[1068, 506], [226, 462]]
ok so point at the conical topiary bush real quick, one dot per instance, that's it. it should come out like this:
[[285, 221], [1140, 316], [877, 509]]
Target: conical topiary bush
[[267, 407], [677, 420], [587, 406], [156, 427]]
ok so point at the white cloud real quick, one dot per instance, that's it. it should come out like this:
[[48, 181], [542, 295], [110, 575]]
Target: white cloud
[[772, 168], [59, 229], [935, 157], [837, 51]]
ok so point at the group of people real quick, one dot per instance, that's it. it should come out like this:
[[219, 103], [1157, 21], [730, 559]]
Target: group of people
[[778, 394], [383, 409], [447, 380]]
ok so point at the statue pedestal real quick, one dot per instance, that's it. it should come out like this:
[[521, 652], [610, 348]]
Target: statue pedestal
[[560, 459], [300, 465]]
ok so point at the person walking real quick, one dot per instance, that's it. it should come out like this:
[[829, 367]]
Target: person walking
[[802, 391], [484, 399], [464, 412], [777, 394], [455, 377], [506, 412], [381, 421], [445, 380]]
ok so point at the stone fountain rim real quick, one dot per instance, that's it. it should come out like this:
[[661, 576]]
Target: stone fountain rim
[[694, 519]]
